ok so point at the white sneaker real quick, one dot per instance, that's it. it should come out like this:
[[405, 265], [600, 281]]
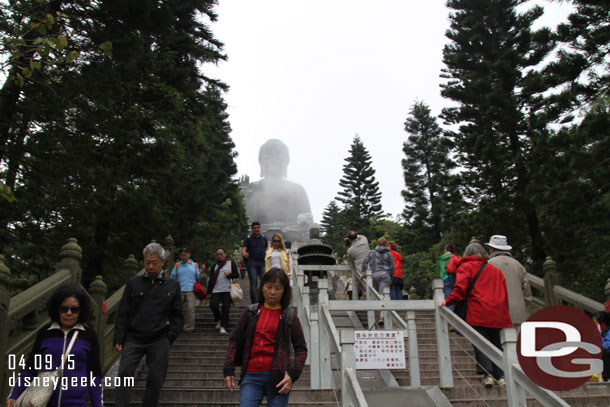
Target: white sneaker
[[217, 325], [223, 331]]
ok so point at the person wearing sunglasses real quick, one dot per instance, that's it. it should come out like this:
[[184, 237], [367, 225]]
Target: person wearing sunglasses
[[277, 256], [70, 311]]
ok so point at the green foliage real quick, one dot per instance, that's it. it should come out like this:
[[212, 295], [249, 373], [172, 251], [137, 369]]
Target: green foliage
[[491, 73], [360, 193], [333, 226], [432, 198], [119, 151], [419, 271], [6, 193]]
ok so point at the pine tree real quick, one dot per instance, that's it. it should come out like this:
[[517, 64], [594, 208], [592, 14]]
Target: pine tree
[[431, 196], [120, 151], [490, 73], [333, 226], [360, 193], [583, 63]]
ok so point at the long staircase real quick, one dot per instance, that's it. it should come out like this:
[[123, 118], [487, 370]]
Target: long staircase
[[194, 377]]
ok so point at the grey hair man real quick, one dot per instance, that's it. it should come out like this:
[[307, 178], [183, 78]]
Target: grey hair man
[[517, 285], [148, 321]]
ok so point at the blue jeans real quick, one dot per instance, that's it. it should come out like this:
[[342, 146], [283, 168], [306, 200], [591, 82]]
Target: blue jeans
[[254, 387], [256, 269], [448, 284]]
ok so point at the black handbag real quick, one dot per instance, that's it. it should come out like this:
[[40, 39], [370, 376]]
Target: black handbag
[[460, 307]]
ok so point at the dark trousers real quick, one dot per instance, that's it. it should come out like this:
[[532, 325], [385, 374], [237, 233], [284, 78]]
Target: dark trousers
[[606, 371], [484, 364], [157, 359], [225, 300], [396, 288], [256, 269]]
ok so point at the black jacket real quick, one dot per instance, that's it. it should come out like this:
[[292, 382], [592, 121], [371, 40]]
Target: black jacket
[[160, 315]]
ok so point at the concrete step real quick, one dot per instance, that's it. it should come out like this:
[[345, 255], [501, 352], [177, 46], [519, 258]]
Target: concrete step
[[220, 395], [213, 383], [202, 403]]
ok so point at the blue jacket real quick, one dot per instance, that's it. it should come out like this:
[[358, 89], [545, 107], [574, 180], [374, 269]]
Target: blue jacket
[[186, 275], [606, 339], [84, 362]]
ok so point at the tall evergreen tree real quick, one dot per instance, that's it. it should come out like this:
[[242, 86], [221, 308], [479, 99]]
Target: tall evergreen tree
[[490, 64], [431, 195], [360, 193], [120, 151], [583, 66], [333, 226]]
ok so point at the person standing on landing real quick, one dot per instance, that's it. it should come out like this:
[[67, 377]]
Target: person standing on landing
[[253, 251]]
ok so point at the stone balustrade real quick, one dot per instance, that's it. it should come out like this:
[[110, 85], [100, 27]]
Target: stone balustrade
[[25, 313]]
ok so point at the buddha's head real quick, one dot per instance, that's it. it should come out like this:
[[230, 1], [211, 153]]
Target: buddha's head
[[273, 158]]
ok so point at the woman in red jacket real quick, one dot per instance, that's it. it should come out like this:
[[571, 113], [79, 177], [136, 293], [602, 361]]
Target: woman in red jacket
[[260, 344], [397, 279], [486, 306]]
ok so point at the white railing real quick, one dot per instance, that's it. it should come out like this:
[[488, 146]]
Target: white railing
[[517, 383], [327, 342]]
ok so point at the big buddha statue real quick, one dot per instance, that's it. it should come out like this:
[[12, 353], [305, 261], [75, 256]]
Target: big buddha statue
[[278, 204]]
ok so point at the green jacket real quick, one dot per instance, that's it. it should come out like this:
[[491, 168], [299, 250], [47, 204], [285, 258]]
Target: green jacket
[[442, 262]]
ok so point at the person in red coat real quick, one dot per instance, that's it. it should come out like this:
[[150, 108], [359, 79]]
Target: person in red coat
[[397, 279], [486, 306]]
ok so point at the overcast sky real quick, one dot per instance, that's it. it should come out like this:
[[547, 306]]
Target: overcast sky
[[315, 73]]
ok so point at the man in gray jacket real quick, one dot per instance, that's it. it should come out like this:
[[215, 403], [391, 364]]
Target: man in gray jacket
[[357, 248], [517, 286]]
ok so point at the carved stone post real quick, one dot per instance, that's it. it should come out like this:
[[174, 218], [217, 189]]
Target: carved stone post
[[168, 245], [551, 279], [474, 239], [130, 268], [413, 293], [5, 301], [70, 256], [98, 290]]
